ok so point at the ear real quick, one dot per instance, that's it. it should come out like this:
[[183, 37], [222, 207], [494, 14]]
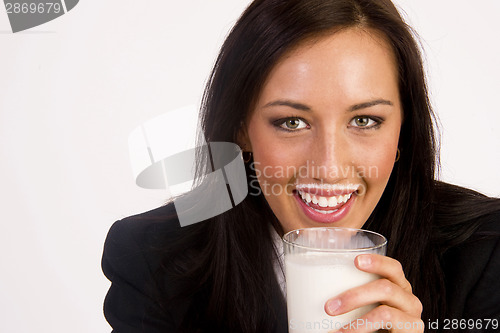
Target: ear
[[243, 139]]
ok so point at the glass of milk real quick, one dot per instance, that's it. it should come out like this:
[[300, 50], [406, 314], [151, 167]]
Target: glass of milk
[[319, 265]]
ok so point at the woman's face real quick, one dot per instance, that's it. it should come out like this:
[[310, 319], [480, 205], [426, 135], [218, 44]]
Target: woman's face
[[324, 131]]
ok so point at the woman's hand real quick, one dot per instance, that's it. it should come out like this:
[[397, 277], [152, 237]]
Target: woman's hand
[[399, 309]]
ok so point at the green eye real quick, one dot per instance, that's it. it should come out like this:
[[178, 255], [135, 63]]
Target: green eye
[[365, 122], [361, 121], [291, 124]]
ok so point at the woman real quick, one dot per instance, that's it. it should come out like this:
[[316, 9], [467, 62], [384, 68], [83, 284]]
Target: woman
[[327, 98]]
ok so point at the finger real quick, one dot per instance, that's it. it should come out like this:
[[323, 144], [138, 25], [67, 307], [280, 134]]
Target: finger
[[386, 267], [385, 318], [380, 291]]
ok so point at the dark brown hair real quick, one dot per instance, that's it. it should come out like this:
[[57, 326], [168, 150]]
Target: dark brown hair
[[270, 28], [229, 273]]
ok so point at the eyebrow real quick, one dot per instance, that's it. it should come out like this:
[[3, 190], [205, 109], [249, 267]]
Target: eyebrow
[[303, 107], [370, 104], [298, 106]]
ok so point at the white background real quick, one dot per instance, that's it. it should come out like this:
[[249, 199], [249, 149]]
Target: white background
[[73, 89]]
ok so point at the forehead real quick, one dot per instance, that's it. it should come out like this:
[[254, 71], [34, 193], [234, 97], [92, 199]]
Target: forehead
[[338, 46], [349, 62]]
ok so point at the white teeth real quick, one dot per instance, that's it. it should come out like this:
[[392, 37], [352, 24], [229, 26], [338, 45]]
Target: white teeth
[[325, 211], [302, 195], [341, 199], [332, 202], [324, 201], [314, 199], [329, 187]]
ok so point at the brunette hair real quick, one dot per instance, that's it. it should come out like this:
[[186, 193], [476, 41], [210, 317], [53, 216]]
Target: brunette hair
[[229, 272]]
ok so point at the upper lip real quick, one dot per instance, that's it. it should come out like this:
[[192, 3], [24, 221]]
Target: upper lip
[[327, 190]]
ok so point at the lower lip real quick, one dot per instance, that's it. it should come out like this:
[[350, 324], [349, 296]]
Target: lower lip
[[326, 218]]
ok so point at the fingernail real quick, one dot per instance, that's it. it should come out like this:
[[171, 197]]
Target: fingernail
[[364, 261], [333, 306]]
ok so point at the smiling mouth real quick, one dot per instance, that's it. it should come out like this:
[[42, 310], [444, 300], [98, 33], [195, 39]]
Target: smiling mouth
[[324, 205], [325, 199]]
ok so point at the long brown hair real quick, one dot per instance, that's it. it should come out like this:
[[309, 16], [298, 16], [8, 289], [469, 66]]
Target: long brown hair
[[229, 273]]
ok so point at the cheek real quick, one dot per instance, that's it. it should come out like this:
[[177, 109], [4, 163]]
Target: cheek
[[276, 161], [274, 164], [377, 164]]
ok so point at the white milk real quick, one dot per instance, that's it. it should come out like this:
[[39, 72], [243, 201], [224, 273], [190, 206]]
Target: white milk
[[311, 279]]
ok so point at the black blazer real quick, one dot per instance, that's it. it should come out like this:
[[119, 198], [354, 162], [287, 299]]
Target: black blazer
[[130, 260]]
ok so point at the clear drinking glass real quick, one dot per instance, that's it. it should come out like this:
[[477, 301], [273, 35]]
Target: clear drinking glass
[[319, 264]]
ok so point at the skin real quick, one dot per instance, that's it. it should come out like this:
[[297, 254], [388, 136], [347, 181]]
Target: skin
[[329, 77], [330, 113]]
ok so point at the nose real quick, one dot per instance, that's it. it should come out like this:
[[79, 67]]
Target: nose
[[331, 157]]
